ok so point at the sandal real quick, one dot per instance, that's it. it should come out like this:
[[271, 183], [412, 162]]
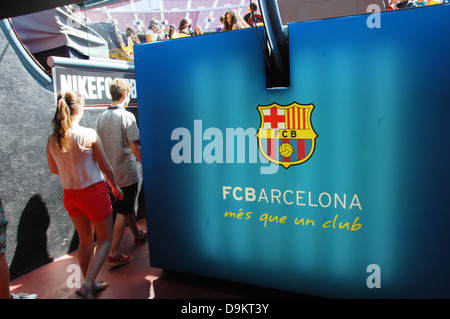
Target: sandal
[[99, 286], [86, 293]]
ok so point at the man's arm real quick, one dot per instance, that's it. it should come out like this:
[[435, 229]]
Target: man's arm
[[136, 149]]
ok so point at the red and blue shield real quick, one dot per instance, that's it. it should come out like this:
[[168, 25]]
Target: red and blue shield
[[286, 135]]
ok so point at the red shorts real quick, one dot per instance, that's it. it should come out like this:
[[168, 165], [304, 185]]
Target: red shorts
[[92, 201]]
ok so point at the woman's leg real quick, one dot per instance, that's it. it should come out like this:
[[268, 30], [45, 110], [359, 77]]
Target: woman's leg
[[91, 203], [85, 232], [103, 230]]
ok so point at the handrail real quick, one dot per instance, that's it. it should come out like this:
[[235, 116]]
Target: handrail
[[92, 63]]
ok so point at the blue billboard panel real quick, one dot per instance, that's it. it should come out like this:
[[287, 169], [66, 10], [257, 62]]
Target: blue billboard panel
[[336, 186]]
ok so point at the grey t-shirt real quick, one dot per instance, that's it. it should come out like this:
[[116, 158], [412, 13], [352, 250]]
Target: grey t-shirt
[[116, 128]]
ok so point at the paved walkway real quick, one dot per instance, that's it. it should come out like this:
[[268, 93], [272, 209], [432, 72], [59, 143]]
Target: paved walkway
[[137, 280]]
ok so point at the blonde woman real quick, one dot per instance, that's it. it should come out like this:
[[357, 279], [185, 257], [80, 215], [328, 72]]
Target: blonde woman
[[76, 154], [198, 30]]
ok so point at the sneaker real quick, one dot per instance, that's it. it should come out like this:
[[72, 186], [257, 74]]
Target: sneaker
[[23, 296], [119, 260], [142, 238]]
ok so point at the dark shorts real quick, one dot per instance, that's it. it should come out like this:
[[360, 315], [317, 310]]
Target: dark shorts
[[92, 201], [126, 205]]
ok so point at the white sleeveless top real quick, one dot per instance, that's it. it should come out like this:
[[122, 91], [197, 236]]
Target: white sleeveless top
[[77, 168]]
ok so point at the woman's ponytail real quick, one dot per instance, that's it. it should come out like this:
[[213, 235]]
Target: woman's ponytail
[[66, 103]]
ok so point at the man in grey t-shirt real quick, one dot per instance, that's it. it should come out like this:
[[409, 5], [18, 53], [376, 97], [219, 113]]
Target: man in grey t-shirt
[[119, 133]]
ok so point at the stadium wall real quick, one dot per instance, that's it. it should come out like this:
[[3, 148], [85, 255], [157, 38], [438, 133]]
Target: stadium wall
[[39, 229]]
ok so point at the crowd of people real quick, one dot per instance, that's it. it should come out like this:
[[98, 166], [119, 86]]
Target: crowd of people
[[231, 20], [402, 4]]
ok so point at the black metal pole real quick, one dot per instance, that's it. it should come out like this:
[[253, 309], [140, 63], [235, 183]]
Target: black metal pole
[[277, 43]]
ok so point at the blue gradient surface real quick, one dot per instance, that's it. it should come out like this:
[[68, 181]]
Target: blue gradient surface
[[381, 160]]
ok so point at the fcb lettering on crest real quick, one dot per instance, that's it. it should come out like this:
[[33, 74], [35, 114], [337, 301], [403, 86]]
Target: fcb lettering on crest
[[286, 135]]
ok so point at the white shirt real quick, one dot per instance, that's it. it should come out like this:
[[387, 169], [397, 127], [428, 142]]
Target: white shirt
[[77, 168], [117, 128]]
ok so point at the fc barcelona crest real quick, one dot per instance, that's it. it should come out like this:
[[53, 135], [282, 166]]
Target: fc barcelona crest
[[286, 135]]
